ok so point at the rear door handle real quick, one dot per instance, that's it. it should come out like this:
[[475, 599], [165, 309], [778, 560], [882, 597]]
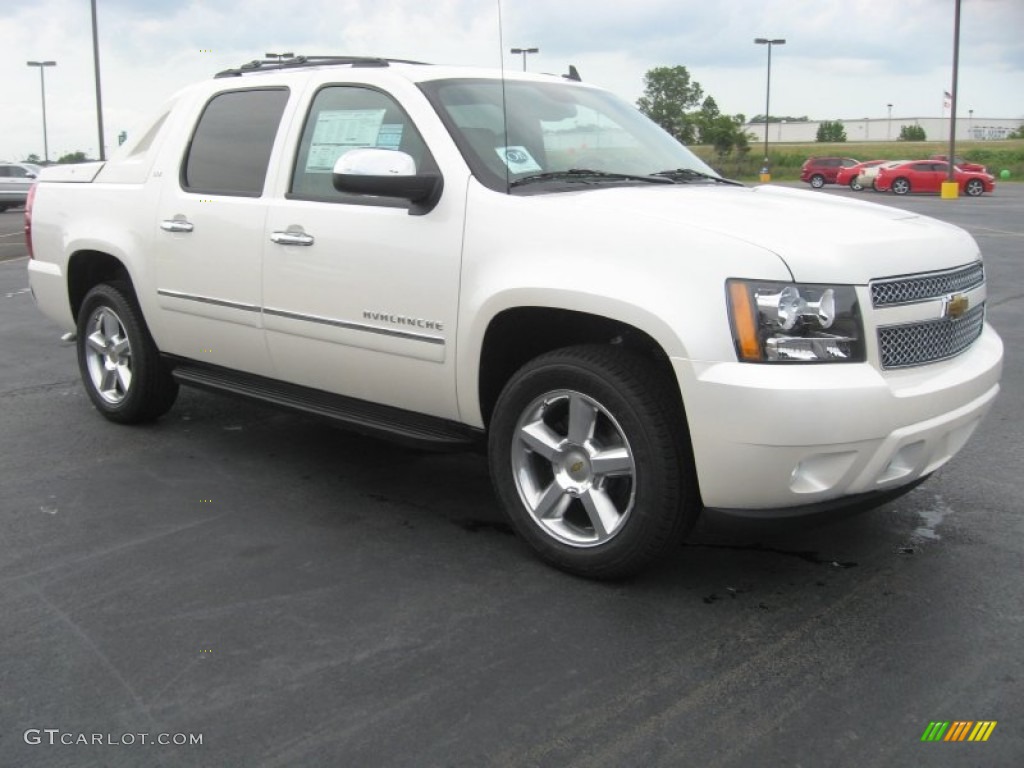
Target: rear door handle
[[176, 225], [291, 237]]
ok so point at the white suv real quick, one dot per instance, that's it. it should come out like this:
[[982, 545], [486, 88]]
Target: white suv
[[454, 257]]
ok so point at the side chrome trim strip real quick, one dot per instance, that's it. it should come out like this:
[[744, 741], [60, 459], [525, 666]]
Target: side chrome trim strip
[[208, 300], [423, 337]]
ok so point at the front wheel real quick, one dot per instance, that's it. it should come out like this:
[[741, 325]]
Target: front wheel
[[855, 185], [590, 460], [900, 186], [120, 365], [974, 188]]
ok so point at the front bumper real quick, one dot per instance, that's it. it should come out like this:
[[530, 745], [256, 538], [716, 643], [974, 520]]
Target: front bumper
[[777, 437]]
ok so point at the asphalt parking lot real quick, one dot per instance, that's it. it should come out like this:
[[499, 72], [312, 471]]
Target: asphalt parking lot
[[295, 595]]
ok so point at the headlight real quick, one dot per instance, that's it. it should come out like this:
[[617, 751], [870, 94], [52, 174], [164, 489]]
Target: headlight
[[791, 322]]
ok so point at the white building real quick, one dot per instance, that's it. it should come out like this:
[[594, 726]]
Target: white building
[[884, 129]]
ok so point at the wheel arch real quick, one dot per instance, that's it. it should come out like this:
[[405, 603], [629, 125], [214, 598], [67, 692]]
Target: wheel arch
[[88, 268], [517, 334]]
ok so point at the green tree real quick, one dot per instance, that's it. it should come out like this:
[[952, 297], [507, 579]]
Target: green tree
[[73, 157], [912, 133], [831, 130], [669, 95], [33, 158], [780, 119], [1018, 134]]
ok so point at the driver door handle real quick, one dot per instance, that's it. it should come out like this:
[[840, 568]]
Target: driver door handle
[[291, 237]]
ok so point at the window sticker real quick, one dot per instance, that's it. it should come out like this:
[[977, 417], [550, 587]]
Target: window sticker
[[518, 159], [390, 136], [339, 130]]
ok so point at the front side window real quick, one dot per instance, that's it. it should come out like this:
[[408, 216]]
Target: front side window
[[231, 145], [342, 118], [523, 130]]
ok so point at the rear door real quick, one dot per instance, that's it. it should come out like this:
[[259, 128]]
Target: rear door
[[210, 239]]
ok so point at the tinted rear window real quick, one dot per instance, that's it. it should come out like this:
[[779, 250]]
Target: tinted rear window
[[232, 142]]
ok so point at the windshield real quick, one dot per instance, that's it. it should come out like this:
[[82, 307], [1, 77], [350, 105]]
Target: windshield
[[552, 129]]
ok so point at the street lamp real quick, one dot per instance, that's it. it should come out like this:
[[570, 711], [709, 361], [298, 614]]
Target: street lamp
[[96, 67], [42, 84], [768, 93], [888, 130], [525, 51]]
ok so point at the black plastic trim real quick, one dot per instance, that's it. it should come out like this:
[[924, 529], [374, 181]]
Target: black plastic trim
[[402, 426]]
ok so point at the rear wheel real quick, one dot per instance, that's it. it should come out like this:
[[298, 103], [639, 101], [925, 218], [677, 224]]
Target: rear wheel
[[817, 181], [974, 187], [120, 365], [855, 185], [900, 186], [590, 460]]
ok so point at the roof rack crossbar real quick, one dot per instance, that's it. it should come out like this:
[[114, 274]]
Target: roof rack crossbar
[[297, 62]]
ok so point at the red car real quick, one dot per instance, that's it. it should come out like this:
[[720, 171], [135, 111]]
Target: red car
[[927, 176], [819, 171], [850, 174], [962, 164]]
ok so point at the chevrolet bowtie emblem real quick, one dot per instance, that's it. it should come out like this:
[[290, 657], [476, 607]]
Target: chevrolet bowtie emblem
[[955, 307]]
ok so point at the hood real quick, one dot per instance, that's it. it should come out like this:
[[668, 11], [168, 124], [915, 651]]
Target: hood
[[820, 238]]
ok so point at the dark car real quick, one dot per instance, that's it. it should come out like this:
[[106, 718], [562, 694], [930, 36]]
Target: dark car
[[819, 171]]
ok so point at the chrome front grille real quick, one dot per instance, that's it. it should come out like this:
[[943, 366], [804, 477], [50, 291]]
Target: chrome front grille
[[902, 346], [932, 285]]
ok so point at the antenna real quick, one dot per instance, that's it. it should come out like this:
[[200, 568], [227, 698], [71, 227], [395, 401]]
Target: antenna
[[504, 103]]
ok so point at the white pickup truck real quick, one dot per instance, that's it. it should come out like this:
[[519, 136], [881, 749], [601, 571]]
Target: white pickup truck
[[460, 258]]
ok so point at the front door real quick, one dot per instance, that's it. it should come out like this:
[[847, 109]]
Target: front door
[[360, 295]]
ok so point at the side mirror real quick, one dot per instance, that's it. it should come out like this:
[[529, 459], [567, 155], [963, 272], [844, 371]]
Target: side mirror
[[387, 173]]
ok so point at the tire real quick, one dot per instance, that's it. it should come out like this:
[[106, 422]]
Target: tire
[[974, 188], [900, 186], [119, 362], [855, 185], [590, 459], [817, 181]]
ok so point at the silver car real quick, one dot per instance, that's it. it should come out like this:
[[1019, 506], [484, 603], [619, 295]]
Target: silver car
[[15, 180]]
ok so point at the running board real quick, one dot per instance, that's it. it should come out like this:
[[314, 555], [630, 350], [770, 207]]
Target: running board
[[407, 427]]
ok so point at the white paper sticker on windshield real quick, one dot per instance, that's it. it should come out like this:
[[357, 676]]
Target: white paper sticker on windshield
[[518, 159], [339, 130]]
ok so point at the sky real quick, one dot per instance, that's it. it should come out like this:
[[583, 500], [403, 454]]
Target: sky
[[843, 59]]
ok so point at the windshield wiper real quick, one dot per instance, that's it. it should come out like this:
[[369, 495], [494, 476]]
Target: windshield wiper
[[586, 174], [689, 174]]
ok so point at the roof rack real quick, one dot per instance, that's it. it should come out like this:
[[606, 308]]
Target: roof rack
[[297, 62]]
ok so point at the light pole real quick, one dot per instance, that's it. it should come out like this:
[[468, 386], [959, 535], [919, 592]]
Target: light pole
[[768, 96], [96, 66], [888, 130], [525, 51], [949, 187], [42, 84], [970, 123]]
